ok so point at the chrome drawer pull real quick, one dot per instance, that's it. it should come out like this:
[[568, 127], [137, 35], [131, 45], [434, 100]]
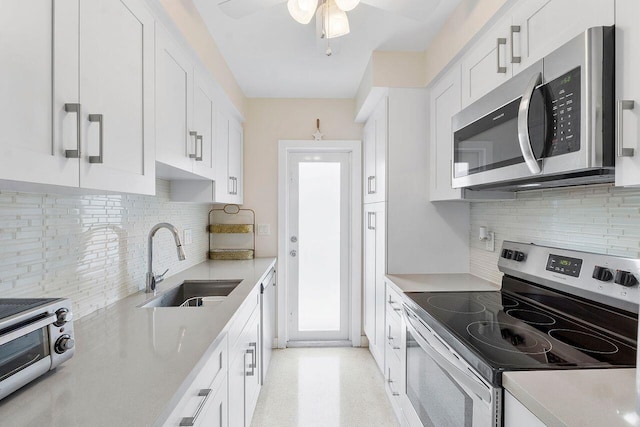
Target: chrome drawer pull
[[191, 421], [620, 107], [74, 108], [99, 119]]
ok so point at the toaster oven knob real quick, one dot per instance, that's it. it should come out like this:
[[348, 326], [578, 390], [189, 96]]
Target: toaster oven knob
[[625, 278], [64, 315], [64, 343], [602, 274]]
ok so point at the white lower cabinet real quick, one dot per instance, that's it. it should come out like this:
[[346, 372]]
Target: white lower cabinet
[[393, 374], [214, 413], [209, 387], [517, 415]]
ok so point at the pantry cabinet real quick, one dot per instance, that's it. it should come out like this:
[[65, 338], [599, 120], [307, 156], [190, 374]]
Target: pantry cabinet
[[627, 92], [523, 35], [375, 154], [374, 260], [77, 96]]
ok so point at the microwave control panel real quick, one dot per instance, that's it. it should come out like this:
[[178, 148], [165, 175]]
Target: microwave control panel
[[563, 103]]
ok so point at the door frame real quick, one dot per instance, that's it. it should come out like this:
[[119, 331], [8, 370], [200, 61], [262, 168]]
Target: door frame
[[354, 149]]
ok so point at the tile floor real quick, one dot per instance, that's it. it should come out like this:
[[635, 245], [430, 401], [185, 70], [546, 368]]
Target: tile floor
[[323, 387]]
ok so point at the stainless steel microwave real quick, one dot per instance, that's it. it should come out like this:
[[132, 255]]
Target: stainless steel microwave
[[550, 125]]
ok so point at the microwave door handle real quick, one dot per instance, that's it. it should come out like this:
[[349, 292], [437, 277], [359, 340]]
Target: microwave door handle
[[27, 329], [523, 125], [469, 383]]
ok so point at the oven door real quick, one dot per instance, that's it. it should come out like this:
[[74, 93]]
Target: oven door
[[440, 388], [25, 354]]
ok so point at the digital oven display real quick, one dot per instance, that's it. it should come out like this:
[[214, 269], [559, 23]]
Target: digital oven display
[[564, 265]]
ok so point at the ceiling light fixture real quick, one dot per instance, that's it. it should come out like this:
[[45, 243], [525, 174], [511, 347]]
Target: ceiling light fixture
[[330, 12]]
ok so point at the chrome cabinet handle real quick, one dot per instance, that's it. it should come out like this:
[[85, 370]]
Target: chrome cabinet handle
[[523, 125], [514, 59], [390, 382], [74, 108], [391, 340], [230, 185], [235, 186], [97, 118], [293, 253], [199, 158], [371, 225], [252, 351], [191, 421], [253, 356], [501, 41], [371, 187], [392, 304], [622, 105], [194, 134]]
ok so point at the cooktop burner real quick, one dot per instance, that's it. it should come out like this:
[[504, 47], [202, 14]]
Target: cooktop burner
[[584, 341], [453, 304], [506, 337], [504, 300], [532, 317]]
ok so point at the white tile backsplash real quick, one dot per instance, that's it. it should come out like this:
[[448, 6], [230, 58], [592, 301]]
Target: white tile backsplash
[[92, 249], [597, 218]]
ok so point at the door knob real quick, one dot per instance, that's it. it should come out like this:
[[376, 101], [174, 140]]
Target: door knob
[[293, 253], [294, 239]]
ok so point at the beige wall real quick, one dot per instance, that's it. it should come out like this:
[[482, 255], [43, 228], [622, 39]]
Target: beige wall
[[270, 120], [186, 17], [464, 23]]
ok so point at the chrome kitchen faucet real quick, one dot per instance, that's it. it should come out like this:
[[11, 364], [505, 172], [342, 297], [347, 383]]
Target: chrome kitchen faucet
[[152, 280]]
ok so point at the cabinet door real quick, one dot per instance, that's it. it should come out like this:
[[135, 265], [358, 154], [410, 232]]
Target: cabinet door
[[252, 369], [376, 178], [223, 185], [214, 412], [235, 160], [628, 89], [487, 65], [37, 38], [381, 247], [236, 377], [174, 91], [545, 25], [369, 154], [445, 102], [369, 259], [116, 87], [203, 125]]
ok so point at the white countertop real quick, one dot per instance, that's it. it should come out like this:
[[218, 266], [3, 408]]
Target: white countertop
[[580, 397], [131, 362], [440, 283]]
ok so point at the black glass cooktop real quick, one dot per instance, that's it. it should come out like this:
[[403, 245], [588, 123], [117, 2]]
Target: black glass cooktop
[[525, 328]]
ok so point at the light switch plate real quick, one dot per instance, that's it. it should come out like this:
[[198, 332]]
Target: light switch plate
[[188, 237], [264, 229], [490, 243]]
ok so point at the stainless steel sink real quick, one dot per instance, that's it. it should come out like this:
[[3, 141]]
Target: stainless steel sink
[[193, 293]]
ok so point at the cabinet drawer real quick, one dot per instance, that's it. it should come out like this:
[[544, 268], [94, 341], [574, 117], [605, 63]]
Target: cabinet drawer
[[201, 390], [393, 337], [243, 315], [393, 379], [393, 303]]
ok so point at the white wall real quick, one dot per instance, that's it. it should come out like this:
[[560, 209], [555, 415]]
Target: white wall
[[267, 122], [92, 249], [599, 218]]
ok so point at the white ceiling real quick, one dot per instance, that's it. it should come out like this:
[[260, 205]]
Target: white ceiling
[[273, 56]]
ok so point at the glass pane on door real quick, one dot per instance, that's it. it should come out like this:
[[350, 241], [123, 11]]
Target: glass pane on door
[[319, 247]]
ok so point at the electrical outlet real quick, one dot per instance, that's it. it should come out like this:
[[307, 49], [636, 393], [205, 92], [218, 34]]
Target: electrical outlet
[[188, 237], [264, 229]]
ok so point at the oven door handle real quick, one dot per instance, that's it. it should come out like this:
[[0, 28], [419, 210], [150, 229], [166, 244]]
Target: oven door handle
[[465, 380], [27, 329], [523, 125]]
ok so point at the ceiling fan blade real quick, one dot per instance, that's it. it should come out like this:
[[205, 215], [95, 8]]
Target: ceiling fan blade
[[240, 8], [419, 10]]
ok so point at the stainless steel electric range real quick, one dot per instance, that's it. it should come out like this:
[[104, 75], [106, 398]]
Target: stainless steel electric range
[[557, 309]]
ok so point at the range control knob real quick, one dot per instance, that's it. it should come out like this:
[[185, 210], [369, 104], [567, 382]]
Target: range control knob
[[518, 256], [507, 253], [625, 278], [602, 274], [64, 343], [63, 315]]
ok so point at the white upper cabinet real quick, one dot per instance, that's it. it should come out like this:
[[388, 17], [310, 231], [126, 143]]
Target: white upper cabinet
[[627, 92], [116, 95], [77, 96], [236, 145], [204, 126], [444, 103], [527, 32], [227, 153], [375, 154]]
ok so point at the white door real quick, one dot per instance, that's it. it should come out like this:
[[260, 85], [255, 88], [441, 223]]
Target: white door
[[116, 94], [318, 246]]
